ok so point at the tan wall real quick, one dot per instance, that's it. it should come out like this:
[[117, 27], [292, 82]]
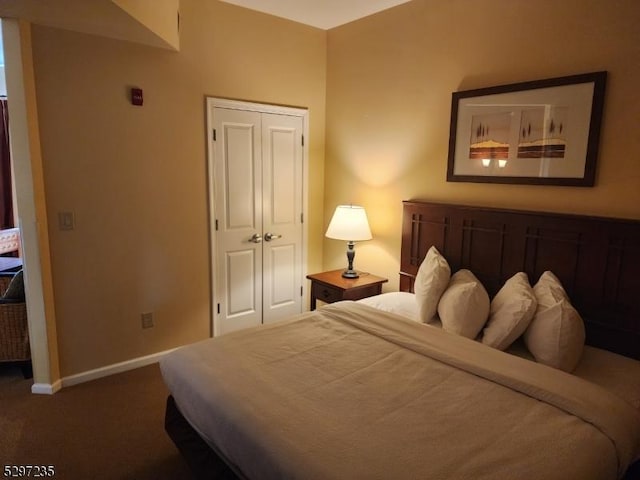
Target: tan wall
[[389, 84], [135, 177]]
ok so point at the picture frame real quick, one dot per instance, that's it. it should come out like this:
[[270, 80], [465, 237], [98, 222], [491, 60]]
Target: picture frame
[[543, 132]]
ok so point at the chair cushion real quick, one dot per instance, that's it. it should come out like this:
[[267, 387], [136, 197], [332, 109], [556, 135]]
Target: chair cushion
[[15, 290]]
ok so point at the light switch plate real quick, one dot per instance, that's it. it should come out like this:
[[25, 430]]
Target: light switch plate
[[147, 320], [66, 220]]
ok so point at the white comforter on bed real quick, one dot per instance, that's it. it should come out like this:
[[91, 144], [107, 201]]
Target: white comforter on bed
[[351, 392], [615, 373]]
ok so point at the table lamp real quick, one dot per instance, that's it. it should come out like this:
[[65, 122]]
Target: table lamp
[[349, 222]]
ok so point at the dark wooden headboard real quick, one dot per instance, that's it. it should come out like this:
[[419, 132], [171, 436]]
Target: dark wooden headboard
[[597, 259]]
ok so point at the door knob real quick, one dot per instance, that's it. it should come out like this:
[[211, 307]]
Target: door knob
[[256, 238], [271, 236]]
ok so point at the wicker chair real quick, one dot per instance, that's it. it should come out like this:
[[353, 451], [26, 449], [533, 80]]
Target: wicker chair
[[14, 331]]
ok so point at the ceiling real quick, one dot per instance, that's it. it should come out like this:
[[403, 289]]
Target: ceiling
[[325, 14]]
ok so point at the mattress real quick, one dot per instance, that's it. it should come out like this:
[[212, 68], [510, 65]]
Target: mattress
[[350, 391]]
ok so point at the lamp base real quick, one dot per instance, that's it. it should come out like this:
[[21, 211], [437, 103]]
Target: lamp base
[[350, 274]]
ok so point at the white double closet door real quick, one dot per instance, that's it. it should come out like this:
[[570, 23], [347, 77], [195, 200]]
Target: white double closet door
[[256, 174]]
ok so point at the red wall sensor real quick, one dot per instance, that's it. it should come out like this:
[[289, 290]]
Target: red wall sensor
[[136, 96]]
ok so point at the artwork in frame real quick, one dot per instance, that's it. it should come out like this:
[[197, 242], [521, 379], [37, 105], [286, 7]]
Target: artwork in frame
[[544, 132]]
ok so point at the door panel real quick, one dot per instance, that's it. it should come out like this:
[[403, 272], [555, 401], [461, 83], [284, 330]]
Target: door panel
[[241, 295], [285, 287], [283, 175], [239, 164]]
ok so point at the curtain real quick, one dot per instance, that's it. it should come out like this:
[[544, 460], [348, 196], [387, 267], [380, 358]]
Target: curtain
[[6, 193]]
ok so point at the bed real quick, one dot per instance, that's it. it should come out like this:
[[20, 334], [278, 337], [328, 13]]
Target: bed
[[363, 390]]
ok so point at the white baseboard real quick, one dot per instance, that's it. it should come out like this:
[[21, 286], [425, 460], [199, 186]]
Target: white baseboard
[[49, 389], [46, 388], [113, 369]]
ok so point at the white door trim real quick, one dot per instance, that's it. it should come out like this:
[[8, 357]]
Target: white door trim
[[31, 208], [213, 102]]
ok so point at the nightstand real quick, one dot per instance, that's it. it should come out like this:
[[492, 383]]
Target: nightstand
[[332, 286]]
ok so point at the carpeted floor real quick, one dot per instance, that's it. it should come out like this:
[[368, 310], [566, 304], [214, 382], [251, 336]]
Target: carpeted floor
[[110, 428]]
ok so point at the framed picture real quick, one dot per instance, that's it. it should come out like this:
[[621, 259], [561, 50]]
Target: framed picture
[[544, 132]]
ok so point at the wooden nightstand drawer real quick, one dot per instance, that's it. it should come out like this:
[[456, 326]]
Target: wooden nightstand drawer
[[326, 293]]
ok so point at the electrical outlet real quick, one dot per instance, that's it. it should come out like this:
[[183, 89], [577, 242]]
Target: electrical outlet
[[147, 320]]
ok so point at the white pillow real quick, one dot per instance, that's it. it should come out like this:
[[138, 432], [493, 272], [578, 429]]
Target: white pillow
[[400, 303], [431, 281], [556, 334], [464, 306], [512, 310]]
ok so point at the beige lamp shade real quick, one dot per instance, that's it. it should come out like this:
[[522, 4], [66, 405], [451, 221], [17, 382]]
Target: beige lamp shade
[[349, 222]]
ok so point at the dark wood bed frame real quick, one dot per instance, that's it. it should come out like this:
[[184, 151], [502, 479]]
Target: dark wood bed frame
[[597, 260]]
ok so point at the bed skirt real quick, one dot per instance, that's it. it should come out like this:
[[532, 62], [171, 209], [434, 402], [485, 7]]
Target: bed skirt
[[203, 461]]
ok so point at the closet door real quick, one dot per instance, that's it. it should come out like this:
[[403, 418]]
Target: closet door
[[282, 222], [257, 205], [238, 219]]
